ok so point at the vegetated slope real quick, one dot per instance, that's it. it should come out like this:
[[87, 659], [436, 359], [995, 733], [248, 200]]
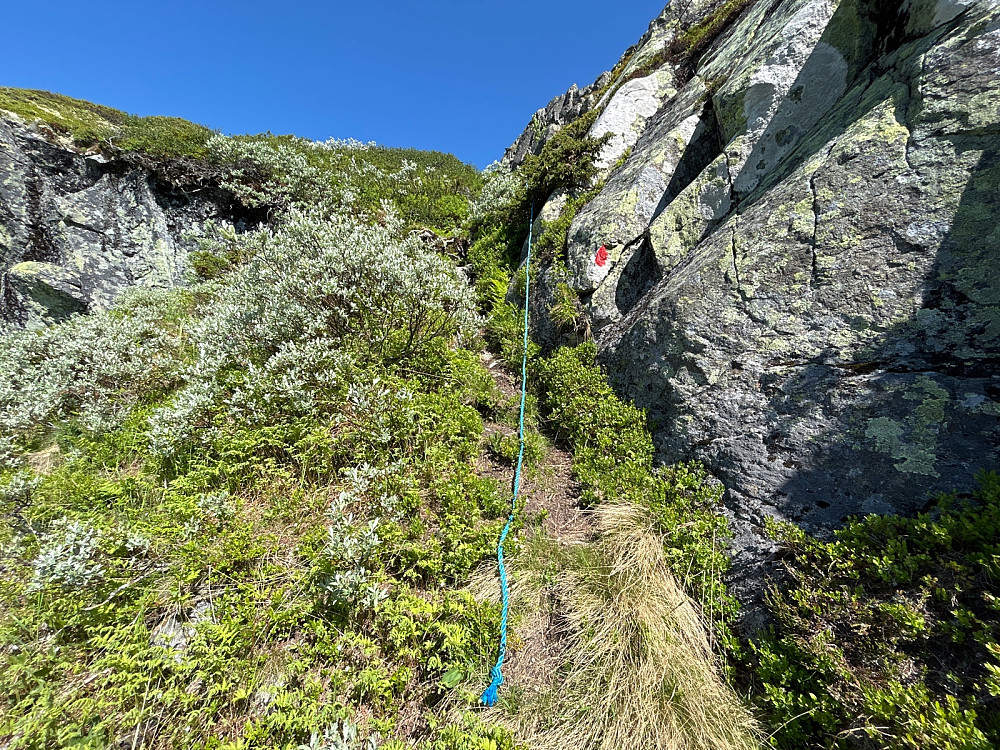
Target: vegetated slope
[[256, 511], [247, 511]]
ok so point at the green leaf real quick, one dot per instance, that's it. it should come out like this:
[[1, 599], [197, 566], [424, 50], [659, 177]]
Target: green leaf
[[453, 677]]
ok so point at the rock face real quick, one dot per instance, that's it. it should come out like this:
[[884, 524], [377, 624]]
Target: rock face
[[804, 278], [638, 93], [76, 230]]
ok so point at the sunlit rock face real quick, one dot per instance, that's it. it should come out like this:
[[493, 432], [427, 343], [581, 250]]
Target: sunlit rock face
[[803, 275], [76, 230]]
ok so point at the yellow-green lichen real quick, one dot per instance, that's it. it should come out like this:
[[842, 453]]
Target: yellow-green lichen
[[913, 443]]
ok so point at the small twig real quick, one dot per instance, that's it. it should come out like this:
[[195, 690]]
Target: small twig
[[804, 713], [129, 584]]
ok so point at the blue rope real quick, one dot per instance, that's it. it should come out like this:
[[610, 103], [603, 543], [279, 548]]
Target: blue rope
[[489, 696]]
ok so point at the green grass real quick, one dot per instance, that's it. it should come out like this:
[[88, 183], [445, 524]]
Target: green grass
[[88, 124]]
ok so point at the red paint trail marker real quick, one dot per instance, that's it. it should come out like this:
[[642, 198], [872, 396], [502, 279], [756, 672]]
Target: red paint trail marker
[[602, 256]]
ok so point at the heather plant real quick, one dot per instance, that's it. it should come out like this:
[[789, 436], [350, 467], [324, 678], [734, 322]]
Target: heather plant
[[567, 161], [908, 616], [88, 125]]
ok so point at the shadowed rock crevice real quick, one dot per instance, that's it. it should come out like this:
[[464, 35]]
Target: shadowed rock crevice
[[40, 245], [704, 148], [641, 273]]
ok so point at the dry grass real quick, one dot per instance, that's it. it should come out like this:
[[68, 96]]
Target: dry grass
[[637, 668]]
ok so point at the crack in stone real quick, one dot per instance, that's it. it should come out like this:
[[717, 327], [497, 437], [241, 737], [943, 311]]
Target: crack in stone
[[79, 225], [914, 97], [814, 271], [736, 268]]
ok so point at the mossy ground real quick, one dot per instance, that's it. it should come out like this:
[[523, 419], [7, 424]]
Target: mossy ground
[[93, 125]]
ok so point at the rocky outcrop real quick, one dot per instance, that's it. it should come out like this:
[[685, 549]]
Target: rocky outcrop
[[76, 230], [803, 285], [637, 90]]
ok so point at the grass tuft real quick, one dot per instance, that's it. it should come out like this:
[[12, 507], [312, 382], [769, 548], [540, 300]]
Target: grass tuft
[[639, 668]]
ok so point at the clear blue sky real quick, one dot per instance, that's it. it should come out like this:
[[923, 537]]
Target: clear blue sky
[[463, 77]]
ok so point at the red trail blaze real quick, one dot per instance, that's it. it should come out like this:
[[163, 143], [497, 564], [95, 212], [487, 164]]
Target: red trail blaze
[[602, 256]]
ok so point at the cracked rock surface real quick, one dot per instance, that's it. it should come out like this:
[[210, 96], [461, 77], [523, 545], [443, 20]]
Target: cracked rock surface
[[76, 230], [803, 286]]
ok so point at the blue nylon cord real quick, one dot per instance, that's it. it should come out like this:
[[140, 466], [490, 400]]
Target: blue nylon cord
[[489, 696]]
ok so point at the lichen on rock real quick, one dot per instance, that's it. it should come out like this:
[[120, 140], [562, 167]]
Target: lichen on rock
[[801, 286]]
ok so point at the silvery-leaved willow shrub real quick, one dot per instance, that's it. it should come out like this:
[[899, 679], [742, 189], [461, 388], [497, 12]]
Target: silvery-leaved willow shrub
[[268, 171], [348, 557], [285, 171], [10, 457], [66, 557], [93, 367], [311, 299], [500, 190], [279, 172], [18, 487]]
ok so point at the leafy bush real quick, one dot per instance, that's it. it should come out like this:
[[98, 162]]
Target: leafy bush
[[586, 412], [500, 190], [163, 137], [342, 736], [66, 557], [347, 556], [18, 487], [566, 161], [278, 326], [908, 612]]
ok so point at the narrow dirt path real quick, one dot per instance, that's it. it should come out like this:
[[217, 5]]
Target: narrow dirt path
[[538, 645], [549, 489]]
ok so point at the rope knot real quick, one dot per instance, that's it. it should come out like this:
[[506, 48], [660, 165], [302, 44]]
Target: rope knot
[[489, 696]]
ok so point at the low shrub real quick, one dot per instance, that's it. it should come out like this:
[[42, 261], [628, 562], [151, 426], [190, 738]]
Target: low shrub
[[890, 632]]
